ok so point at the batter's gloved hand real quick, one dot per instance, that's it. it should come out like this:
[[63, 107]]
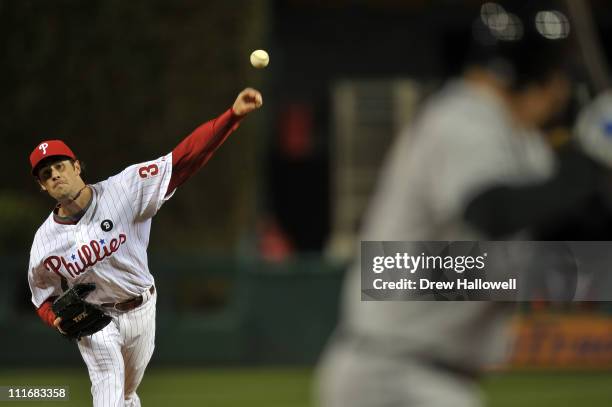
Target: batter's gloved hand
[[77, 317]]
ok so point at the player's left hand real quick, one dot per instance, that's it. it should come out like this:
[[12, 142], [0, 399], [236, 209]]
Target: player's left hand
[[247, 101], [57, 324]]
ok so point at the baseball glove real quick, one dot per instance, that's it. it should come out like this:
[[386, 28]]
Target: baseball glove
[[79, 317]]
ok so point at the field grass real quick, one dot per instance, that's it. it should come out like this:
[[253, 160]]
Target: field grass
[[282, 387]]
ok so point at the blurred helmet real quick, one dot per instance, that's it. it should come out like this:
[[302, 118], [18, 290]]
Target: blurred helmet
[[522, 42]]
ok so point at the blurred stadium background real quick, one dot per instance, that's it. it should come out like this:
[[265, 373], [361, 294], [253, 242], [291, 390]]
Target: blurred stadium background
[[248, 256]]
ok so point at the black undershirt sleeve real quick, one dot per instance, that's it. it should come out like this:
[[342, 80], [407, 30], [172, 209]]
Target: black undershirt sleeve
[[502, 210]]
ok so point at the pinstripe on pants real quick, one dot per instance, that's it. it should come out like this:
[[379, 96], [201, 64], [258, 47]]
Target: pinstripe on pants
[[117, 356]]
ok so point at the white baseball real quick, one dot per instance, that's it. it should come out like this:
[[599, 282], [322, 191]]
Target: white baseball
[[259, 58]]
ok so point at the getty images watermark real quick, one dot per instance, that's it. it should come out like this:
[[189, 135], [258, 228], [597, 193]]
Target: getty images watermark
[[489, 271]]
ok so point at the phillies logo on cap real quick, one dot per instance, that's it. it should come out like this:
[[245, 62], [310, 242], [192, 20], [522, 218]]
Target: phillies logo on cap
[[43, 147], [49, 148]]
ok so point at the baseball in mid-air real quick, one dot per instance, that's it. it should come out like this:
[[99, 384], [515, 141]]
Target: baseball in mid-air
[[259, 58]]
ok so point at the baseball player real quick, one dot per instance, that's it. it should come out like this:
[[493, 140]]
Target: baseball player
[[98, 233], [473, 167]]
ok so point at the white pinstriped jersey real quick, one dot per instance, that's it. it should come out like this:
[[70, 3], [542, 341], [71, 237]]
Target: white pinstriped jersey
[[108, 245]]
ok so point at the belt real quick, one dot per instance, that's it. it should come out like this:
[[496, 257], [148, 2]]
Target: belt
[[129, 304], [364, 344]]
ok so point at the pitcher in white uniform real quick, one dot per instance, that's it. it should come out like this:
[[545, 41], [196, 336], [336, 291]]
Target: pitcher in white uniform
[[99, 233]]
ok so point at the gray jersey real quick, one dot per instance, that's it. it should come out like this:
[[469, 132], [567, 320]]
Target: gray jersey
[[463, 143]]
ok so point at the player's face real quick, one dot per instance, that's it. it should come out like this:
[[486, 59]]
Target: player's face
[[539, 104], [61, 179]]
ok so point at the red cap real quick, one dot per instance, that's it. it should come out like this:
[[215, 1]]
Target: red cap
[[49, 148]]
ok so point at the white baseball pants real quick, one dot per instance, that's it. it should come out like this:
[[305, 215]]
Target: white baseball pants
[[117, 356]]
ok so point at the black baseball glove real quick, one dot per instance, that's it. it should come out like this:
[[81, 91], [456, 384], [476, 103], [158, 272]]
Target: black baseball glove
[[79, 317]]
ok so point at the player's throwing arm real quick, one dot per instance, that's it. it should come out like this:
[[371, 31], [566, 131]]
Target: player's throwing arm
[[88, 270]]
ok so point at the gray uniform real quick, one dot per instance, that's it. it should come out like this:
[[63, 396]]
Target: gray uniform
[[421, 353]]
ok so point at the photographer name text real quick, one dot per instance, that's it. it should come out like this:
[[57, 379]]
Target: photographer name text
[[460, 284]]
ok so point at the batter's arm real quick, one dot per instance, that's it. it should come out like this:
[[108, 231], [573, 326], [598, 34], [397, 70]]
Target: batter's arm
[[502, 210], [196, 149]]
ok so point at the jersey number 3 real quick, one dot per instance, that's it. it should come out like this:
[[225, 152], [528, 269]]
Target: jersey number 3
[[148, 171]]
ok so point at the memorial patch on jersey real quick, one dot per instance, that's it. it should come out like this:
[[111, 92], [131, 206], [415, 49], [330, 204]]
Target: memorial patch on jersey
[[148, 171], [86, 256], [107, 225]]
